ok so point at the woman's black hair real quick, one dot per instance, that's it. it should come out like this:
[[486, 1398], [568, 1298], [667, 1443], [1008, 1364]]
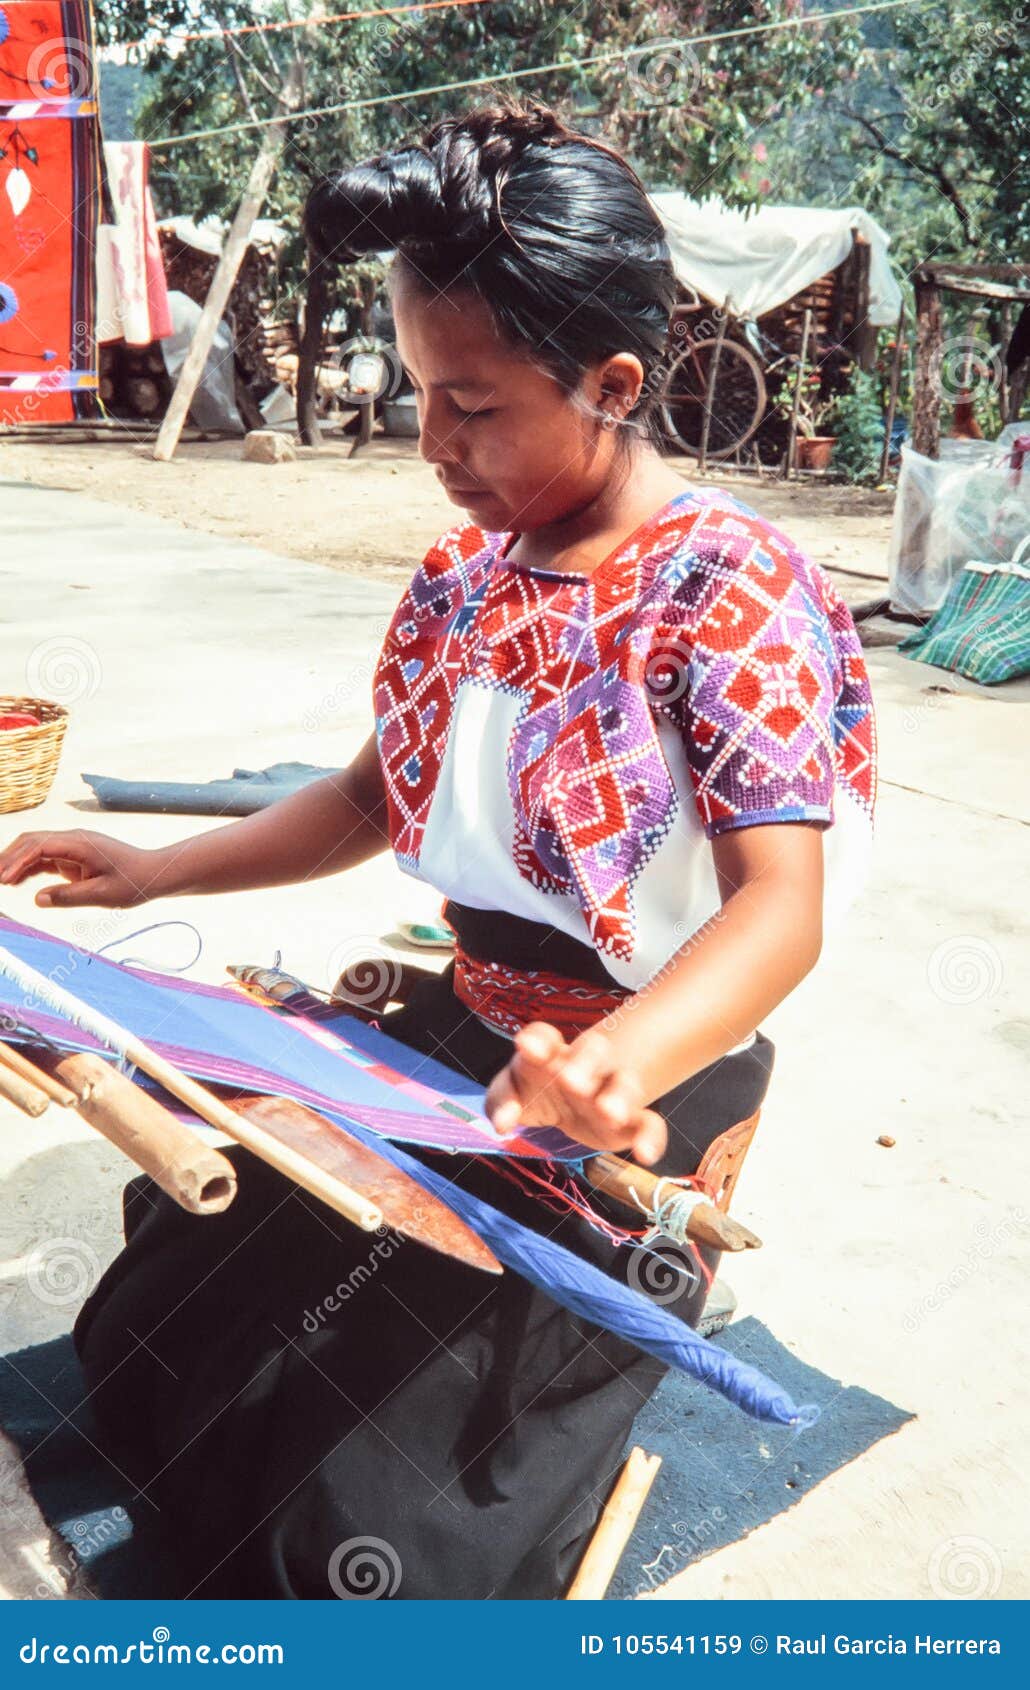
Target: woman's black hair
[[553, 230]]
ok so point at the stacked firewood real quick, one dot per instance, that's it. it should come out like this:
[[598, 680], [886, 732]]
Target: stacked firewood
[[281, 349], [190, 271]]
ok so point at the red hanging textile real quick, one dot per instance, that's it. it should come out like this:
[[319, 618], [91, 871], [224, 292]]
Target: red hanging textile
[[49, 207]]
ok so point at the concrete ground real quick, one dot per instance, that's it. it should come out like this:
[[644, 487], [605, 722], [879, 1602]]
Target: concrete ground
[[902, 1270]]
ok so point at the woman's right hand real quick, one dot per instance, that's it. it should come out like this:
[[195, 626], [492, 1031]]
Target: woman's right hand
[[96, 869]]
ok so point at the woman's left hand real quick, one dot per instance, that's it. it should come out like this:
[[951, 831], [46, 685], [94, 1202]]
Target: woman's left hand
[[578, 1088]]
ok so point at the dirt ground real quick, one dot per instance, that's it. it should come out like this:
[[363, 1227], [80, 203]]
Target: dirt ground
[[328, 509]]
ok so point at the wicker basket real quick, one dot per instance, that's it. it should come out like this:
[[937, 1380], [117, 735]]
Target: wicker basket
[[28, 756]]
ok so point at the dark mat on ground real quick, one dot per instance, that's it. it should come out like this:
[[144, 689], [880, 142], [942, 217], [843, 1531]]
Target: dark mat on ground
[[722, 1474], [113, 1537]]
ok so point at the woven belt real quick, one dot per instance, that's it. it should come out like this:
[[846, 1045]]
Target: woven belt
[[507, 998]]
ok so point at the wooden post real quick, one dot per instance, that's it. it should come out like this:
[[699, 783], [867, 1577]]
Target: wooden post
[[892, 395], [926, 397], [615, 1527], [795, 410], [237, 241], [1006, 336], [316, 299], [706, 421]]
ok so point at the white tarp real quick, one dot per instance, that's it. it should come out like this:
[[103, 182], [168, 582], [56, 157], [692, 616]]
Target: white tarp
[[759, 259]]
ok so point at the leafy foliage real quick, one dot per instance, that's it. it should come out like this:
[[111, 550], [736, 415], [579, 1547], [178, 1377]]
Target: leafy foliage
[[858, 422], [685, 116]]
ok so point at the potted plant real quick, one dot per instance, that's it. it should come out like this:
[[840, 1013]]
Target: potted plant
[[814, 444]]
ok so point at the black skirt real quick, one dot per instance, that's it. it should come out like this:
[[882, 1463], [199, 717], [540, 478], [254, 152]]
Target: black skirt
[[320, 1412]]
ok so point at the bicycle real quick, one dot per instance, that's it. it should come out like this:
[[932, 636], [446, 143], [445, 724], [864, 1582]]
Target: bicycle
[[739, 397]]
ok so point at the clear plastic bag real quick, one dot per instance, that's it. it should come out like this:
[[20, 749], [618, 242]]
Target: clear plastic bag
[[968, 505]]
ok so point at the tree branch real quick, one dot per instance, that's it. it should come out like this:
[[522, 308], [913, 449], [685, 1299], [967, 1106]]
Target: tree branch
[[936, 171]]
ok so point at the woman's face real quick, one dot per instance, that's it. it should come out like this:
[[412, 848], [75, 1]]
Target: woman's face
[[507, 444]]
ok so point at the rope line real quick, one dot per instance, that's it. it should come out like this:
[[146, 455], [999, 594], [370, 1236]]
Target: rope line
[[622, 55]]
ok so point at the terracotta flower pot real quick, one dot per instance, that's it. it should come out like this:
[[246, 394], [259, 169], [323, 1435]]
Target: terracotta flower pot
[[815, 450]]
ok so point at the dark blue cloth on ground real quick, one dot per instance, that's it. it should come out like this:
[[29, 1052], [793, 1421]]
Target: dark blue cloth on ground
[[722, 1475], [114, 1537], [245, 791]]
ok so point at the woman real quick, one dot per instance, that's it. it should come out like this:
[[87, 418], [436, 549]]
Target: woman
[[615, 718]]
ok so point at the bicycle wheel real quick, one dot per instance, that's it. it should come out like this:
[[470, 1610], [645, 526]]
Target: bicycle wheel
[[738, 402]]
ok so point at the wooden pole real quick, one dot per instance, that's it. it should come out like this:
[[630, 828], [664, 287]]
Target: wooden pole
[[30, 1099], [237, 241], [55, 1091], [643, 1191], [196, 1175], [1006, 336], [892, 396], [706, 420], [795, 410], [926, 396], [615, 1527], [46, 993]]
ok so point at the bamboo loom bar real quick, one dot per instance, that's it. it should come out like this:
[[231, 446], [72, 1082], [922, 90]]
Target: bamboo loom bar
[[194, 1174], [615, 1527], [55, 1091], [30, 1099], [46, 993]]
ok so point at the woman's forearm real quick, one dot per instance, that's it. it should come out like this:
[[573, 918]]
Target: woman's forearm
[[333, 824], [717, 989]]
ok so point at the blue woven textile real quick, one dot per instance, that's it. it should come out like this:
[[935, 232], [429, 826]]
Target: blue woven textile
[[190, 1023]]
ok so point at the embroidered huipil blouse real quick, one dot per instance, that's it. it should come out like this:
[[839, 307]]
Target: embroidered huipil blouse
[[563, 747]]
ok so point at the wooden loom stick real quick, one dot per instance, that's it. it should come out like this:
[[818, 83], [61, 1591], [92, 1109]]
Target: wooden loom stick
[[196, 1175], [640, 1189], [347, 1202], [615, 1527], [55, 1091], [30, 1099]]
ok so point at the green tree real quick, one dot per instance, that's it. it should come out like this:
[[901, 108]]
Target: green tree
[[687, 116], [928, 132]]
